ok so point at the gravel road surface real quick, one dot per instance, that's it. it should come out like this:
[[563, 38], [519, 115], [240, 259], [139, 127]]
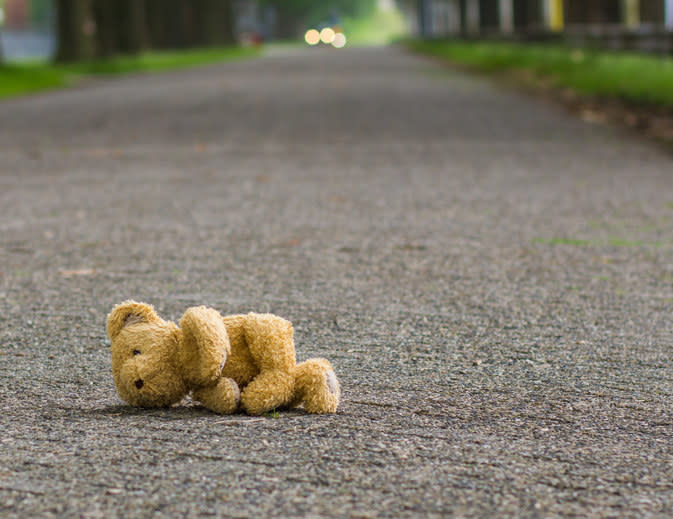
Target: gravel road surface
[[492, 280]]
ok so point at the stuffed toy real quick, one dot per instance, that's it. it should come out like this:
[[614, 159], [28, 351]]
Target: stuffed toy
[[227, 362]]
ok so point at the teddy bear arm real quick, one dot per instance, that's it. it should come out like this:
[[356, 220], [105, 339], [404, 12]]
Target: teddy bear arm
[[240, 364], [204, 346]]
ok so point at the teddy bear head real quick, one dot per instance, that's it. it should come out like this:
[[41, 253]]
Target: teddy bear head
[[144, 356], [155, 363]]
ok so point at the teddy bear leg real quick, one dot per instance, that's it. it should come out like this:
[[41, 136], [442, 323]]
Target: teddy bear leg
[[267, 391], [271, 345], [316, 386], [222, 398]]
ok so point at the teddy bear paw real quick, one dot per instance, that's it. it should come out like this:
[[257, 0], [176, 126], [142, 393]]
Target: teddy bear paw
[[222, 398]]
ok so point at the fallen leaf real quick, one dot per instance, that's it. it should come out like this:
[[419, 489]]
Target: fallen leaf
[[77, 272]]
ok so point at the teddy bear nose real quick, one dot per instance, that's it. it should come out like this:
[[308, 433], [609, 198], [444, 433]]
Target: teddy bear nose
[[139, 383]]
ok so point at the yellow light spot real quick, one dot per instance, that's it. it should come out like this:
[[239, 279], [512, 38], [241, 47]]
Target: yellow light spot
[[327, 35], [312, 37]]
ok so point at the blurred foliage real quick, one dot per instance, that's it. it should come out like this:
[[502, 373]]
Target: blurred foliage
[[377, 28], [638, 78], [41, 11], [316, 12]]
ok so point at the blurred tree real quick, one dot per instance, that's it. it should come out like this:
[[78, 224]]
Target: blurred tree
[[423, 14], [155, 18], [178, 23], [215, 21], [2, 20], [189, 23], [105, 16], [528, 14], [120, 27], [288, 18], [593, 11], [74, 27], [129, 26], [41, 12]]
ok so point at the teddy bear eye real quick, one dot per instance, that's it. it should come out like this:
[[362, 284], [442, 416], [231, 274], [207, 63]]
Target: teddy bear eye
[[136, 352]]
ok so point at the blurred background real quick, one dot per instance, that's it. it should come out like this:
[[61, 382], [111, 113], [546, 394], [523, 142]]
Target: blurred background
[[75, 30], [71, 30]]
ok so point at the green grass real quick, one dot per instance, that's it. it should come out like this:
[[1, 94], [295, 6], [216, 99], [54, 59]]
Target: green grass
[[631, 77], [610, 241], [562, 241], [30, 77], [272, 414]]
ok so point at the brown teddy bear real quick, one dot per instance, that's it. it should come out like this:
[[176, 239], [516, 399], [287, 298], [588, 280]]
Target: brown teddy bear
[[225, 362]]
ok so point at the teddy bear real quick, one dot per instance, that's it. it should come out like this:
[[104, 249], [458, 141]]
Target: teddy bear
[[227, 363]]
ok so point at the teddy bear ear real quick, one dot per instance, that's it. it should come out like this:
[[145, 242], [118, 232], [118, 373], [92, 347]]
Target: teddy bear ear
[[129, 313]]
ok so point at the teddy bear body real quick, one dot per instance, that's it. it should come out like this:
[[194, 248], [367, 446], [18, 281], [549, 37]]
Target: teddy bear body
[[242, 361]]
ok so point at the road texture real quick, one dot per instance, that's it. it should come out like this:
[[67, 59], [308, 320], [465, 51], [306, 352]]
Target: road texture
[[492, 279]]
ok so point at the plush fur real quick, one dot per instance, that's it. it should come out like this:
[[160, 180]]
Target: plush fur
[[228, 363]]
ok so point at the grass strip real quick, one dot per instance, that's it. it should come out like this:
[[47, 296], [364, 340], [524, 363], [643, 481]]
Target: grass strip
[[632, 77], [29, 77]]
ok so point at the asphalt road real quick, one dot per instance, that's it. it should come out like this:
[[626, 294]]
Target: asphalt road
[[492, 280]]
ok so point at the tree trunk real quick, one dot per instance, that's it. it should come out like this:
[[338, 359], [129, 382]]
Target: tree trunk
[[128, 26], [71, 17], [286, 23], [132, 36], [178, 18], [228, 34], [155, 18], [215, 22], [105, 16], [423, 15], [203, 23]]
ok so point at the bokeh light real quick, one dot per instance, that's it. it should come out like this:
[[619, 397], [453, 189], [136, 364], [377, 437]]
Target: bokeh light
[[312, 37], [339, 40], [327, 35]]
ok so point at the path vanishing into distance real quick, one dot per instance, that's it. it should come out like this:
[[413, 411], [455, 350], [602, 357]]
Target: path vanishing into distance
[[491, 278]]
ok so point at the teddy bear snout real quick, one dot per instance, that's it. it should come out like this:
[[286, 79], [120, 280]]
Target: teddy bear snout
[[139, 383]]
